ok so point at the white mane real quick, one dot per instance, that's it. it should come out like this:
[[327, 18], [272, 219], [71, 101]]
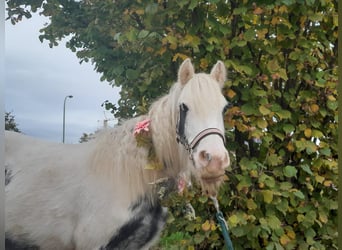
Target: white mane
[[118, 157]]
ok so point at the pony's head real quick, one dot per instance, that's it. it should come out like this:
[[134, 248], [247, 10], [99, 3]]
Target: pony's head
[[200, 126]]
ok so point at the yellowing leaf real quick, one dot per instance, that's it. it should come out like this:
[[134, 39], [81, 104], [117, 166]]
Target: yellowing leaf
[[283, 9], [258, 11], [314, 107], [275, 20], [323, 218], [161, 51], [251, 204], [264, 111], [204, 63], [331, 98], [273, 65], [284, 240], [231, 93], [233, 220], [290, 147], [206, 226], [212, 225], [327, 183], [307, 132], [262, 123], [179, 55], [319, 178], [254, 173], [291, 234], [268, 196]]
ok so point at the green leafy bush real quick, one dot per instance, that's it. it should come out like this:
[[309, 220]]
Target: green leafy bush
[[281, 192]]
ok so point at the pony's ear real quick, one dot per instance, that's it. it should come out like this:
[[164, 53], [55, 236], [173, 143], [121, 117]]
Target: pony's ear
[[219, 73], [186, 71]]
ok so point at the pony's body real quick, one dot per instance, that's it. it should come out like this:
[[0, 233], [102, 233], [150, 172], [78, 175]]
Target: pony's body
[[58, 180], [98, 195]]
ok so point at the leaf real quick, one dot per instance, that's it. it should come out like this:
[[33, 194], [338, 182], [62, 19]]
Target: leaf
[[288, 128], [283, 114], [198, 238], [240, 10], [206, 226], [151, 8], [143, 34], [132, 74], [290, 171], [179, 55], [193, 4], [273, 222], [264, 111], [319, 179], [283, 74], [325, 151], [268, 196], [233, 220], [306, 168], [273, 66], [308, 132], [317, 133], [299, 194], [262, 123], [251, 205], [285, 186], [314, 107], [249, 109], [249, 35], [203, 199], [284, 240], [332, 105], [322, 216], [283, 206], [231, 94]]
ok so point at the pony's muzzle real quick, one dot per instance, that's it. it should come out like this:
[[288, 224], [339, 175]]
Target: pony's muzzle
[[211, 166], [214, 163]]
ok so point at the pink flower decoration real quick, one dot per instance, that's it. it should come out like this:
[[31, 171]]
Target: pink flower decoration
[[181, 185], [141, 127]]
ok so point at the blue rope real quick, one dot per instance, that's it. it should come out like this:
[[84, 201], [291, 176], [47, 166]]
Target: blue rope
[[224, 228], [223, 225]]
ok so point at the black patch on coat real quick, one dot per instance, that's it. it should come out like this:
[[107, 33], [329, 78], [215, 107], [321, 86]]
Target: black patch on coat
[[8, 176], [16, 245], [148, 220]]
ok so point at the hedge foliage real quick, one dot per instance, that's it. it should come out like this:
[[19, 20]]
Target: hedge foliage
[[281, 191]]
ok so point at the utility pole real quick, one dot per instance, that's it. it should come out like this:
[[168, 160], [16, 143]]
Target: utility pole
[[68, 96]]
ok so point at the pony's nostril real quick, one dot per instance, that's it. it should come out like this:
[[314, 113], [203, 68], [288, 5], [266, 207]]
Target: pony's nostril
[[205, 156], [208, 157]]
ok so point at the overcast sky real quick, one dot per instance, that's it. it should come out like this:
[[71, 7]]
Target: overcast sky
[[37, 79]]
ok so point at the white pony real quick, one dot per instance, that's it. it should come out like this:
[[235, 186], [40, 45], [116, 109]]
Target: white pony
[[98, 195]]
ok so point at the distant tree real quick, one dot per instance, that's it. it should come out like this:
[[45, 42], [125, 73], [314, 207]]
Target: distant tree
[[10, 123], [86, 137]]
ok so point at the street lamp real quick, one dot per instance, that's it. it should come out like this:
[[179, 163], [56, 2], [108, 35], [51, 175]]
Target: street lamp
[[68, 96]]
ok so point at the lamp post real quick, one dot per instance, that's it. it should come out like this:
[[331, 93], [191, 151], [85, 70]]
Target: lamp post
[[68, 96]]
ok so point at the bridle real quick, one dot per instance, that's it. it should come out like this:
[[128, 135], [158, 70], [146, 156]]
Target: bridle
[[180, 132]]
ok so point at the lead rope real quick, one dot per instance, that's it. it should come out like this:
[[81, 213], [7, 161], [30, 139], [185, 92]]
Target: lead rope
[[223, 224]]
